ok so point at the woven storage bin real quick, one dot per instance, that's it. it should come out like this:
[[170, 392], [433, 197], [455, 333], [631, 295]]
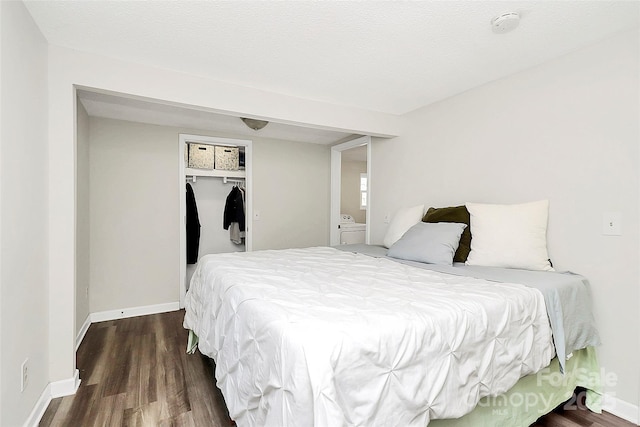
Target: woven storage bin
[[227, 158], [201, 156]]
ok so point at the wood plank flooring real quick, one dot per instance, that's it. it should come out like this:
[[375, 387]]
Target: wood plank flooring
[[135, 372]]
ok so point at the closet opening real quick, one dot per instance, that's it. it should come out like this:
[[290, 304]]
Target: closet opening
[[216, 210]]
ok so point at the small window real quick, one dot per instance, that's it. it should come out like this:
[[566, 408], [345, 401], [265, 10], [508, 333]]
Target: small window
[[363, 191]]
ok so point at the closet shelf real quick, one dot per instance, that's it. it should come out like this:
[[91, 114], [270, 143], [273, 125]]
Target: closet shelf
[[215, 173]]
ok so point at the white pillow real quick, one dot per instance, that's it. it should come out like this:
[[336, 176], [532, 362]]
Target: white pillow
[[512, 236], [403, 220]]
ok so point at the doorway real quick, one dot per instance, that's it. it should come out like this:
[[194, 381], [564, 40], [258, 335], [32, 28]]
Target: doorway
[[350, 192]]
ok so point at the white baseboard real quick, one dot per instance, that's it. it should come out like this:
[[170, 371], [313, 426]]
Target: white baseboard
[[65, 387], [39, 409], [102, 316], [123, 313], [51, 391], [620, 408], [83, 331]]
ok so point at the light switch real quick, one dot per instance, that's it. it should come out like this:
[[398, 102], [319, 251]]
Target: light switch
[[387, 218], [612, 224]]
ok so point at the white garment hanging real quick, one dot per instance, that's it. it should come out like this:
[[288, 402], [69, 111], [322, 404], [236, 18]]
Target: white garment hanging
[[235, 233]]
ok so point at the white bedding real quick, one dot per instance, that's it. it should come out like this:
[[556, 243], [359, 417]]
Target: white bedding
[[323, 337]]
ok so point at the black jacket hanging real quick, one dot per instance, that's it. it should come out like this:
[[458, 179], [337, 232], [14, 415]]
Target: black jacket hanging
[[234, 209], [193, 227]]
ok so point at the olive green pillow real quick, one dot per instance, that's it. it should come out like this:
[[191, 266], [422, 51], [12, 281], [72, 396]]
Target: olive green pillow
[[458, 214]]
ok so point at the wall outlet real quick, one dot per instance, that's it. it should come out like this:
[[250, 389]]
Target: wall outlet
[[387, 218], [86, 292], [24, 378], [256, 215], [612, 224]]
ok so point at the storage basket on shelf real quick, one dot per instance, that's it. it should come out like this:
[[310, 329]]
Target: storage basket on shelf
[[201, 156], [227, 158]]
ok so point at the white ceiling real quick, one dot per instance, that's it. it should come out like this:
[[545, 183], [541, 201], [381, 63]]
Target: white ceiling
[[385, 56]]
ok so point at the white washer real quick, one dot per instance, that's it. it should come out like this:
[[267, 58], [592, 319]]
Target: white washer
[[351, 232]]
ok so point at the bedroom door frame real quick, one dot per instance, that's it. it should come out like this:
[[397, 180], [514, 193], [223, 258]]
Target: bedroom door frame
[[336, 178], [248, 156]]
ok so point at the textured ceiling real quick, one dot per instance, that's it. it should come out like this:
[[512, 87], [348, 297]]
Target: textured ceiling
[[385, 56]]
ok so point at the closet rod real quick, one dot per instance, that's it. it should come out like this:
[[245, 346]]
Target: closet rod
[[225, 180]]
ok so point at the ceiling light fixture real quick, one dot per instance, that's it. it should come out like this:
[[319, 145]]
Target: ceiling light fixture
[[254, 123], [506, 22]]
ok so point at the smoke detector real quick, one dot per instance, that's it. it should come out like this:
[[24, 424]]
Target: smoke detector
[[505, 22]]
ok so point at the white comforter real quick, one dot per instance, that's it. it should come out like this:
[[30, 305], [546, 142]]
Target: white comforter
[[322, 337]]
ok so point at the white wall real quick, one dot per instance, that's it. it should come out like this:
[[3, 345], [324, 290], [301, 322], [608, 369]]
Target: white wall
[[567, 131], [23, 214], [134, 215], [2, 59], [135, 207], [82, 221], [350, 189], [291, 191]]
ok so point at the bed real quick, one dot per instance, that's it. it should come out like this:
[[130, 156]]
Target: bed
[[347, 336]]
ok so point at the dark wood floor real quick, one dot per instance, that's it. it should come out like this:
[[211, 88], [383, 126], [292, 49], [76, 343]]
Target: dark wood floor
[[573, 414], [135, 372]]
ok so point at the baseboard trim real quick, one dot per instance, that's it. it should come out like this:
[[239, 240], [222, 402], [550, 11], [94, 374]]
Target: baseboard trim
[[83, 331], [51, 391], [620, 408], [65, 387], [102, 316], [123, 313], [40, 407]]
